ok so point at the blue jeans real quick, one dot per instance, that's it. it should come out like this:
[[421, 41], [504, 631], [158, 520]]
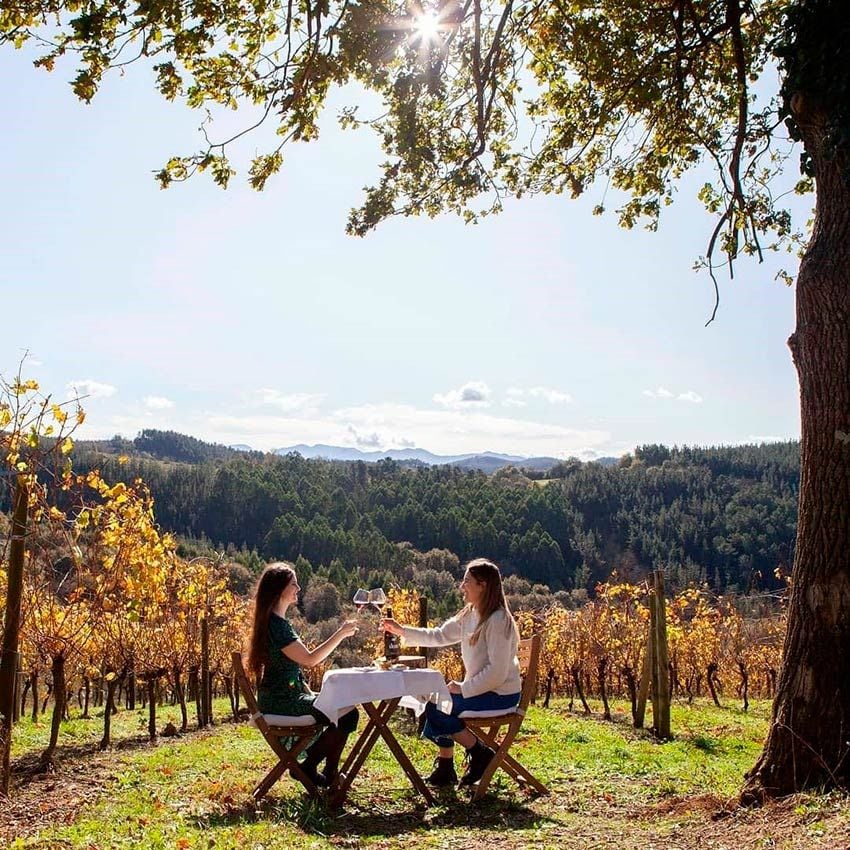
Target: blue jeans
[[439, 727]]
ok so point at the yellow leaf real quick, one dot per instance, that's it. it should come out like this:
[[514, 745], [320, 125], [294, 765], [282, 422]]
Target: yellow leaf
[[67, 446], [122, 459], [58, 414]]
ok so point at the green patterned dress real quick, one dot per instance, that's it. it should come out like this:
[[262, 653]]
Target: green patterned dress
[[283, 689]]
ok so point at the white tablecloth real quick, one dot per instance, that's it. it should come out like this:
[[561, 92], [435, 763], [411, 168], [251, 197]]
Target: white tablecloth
[[343, 689]]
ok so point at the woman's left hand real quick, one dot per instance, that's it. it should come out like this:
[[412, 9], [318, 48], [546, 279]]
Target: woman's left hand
[[454, 688]]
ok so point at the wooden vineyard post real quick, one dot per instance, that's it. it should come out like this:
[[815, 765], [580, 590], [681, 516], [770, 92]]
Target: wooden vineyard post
[[653, 658], [204, 683], [423, 624], [645, 677], [661, 721], [655, 672]]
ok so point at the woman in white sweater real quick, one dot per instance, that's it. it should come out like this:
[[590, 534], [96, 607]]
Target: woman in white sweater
[[488, 637]]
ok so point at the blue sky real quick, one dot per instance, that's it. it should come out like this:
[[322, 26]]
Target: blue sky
[[252, 318]]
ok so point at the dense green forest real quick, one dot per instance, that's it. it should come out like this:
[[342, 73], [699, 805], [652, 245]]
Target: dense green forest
[[724, 516]]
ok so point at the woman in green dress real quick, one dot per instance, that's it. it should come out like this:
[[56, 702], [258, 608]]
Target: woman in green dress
[[276, 657]]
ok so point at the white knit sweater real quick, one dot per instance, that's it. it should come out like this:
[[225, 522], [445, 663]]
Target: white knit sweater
[[491, 664]]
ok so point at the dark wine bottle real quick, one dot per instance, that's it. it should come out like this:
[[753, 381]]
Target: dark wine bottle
[[392, 643]]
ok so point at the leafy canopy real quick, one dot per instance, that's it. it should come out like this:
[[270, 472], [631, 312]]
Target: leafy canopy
[[483, 99]]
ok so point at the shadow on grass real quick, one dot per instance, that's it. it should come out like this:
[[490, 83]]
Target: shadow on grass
[[30, 767], [388, 814]]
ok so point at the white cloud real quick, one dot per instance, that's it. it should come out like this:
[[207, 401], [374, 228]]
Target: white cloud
[[460, 432], [90, 389], [690, 396], [290, 402], [366, 441], [157, 402], [381, 427], [552, 396], [515, 394], [471, 394], [659, 393]]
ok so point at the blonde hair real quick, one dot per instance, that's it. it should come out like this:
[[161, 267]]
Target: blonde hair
[[493, 598]]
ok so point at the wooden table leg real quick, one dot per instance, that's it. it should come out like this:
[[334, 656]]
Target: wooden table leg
[[376, 727], [361, 749], [380, 719]]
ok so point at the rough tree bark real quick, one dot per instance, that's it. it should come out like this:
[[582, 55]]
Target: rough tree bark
[[180, 693], [108, 710], [807, 745], [57, 669], [11, 630]]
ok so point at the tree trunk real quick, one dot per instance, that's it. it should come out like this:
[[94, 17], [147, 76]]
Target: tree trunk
[[152, 708], [577, 682], [34, 696], [86, 696], [602, 673], [11, 629], [711, 673], [807, 744], [194, 688], [631, 684], [27, 686], [229, 689], [745, 684], [111, 685], [16, 697], [180, 692], [57, 669], [550, 679]]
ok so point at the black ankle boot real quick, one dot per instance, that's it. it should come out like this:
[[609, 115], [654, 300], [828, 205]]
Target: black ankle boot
[[443, 773], [316, 753], [478, 759], [313, 773]]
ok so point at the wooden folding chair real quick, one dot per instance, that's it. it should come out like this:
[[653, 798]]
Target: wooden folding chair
[[487, 725], [273, 727]]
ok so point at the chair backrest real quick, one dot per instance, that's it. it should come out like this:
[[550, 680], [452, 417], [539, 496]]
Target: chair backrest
[[244, 683], [528, 654]]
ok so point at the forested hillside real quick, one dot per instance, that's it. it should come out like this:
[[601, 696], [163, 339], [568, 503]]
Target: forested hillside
[[725, 516]]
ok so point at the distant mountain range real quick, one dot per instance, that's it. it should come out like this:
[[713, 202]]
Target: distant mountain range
[[484, 461], [172, 446]]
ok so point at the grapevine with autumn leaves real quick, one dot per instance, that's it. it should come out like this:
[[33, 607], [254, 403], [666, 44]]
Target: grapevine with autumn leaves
[[107, 603]]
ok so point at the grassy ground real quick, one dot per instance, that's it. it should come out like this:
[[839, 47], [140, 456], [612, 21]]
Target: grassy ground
[[612, 787]]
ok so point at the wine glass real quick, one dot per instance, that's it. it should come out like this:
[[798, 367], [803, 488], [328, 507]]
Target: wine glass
[[361, 599], [378, 598]]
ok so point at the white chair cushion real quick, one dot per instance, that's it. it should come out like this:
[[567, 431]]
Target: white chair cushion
[[285, 720], [493, 712]]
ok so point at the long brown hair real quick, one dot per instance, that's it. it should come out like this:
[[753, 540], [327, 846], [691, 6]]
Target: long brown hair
[[494, 595], [273, 581]]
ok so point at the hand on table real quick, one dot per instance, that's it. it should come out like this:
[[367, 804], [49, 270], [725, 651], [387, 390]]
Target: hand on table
[[454, 688]]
